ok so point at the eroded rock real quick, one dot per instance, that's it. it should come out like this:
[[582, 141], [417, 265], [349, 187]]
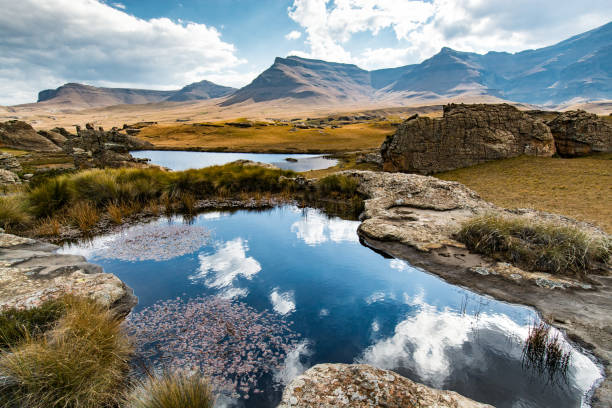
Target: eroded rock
[[20, 135], [31, 272], [578, 133], [361, 385], [464, 136]]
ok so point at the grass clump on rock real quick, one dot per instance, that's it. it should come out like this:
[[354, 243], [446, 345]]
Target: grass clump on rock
[[18, 325], [81, 362], [539, 246], [172, 390]]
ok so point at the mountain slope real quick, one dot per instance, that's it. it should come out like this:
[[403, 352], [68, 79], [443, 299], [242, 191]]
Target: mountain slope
[[87, 96]]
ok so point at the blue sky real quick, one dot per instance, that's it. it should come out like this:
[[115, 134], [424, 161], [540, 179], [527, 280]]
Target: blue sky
[[166, 44]]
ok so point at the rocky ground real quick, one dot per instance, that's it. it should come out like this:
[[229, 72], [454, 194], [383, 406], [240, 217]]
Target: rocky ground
[[415, 217]]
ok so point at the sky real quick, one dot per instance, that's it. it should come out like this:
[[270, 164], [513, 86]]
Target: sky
[[166, 44]]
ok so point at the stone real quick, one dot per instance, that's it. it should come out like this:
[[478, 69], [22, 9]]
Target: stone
[[578, 133], [464, 136], [20, 135], [8, 177], [31, 272], [9, 162], [57, 138], [361, 386]]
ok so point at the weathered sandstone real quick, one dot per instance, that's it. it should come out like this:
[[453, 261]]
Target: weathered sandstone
[[31, 272], [20, 135], [464, 136], [578, 133], [361, 386]]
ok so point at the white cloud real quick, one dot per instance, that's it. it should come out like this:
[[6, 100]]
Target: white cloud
[[44, 44], [119, 6], [293, 35], [221, 269], [315, 228], [422, 27], [282, 302], [293, 365]]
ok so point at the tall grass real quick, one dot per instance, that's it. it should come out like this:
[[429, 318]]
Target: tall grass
[[17, 325], [84, 215], [544, 353], [172, 390], [539, 246], [81, 363], [14, 212]]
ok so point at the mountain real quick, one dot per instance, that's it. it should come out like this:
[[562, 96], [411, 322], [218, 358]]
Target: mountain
[[575, 70], [87, 96]]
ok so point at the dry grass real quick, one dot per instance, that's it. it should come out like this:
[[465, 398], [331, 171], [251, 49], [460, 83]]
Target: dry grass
[[271, 138], [48, 227], [115, 213], [84, 215], [81, 363], [580, 188], [14, 212], [172, 390]]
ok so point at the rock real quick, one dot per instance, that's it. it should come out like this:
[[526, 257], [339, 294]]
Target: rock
[[57, 138], [464, 136], [9, 162], [8, 177], [28, 176], [578, 133], [63, 132], [361, 386], [31, 273], [374, 158], [19, 135]]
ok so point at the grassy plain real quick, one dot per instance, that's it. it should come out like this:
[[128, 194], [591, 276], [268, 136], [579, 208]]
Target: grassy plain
[[580, 188]]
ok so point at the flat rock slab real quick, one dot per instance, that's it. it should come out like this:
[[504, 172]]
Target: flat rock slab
[[361, 386], [31, 272]]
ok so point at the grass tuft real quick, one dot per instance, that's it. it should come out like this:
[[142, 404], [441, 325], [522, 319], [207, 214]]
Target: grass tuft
[[545, 247], [17, 325], [48, 227], [84, 215], [81, 363], [543, 352], [14, 212], [172, 390], [49, 196]]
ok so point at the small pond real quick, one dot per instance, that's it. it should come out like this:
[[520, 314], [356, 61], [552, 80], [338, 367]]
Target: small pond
[[183, 160], [253, 298]]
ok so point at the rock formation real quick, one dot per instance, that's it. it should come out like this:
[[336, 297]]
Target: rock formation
[[19, 135], [464, 136], [31, 273], [361, 386], [578, 133], [9, 162]]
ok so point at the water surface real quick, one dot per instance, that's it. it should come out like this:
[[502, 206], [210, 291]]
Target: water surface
[[183, 160], [344, 303]]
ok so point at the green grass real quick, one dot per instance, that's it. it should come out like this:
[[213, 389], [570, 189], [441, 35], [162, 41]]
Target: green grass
[[17, 325], [172, 390], [14, 212], [82, 362], [537, 246]]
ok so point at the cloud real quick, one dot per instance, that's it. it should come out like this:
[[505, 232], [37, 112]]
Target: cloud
[[294, 35], [422, 27], [293, 365], [315, 228], [119, 6], [282, 302], [228, 263], [44, 44]]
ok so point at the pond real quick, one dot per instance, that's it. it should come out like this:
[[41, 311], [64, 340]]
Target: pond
[[253, 298], [183, 160]]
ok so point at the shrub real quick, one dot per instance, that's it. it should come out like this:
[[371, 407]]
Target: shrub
[[176, 390], [84, 215], [17, 325], [538, 246], [98, 186], [49, 196], [13, 212], [338, 184], [82, 362]]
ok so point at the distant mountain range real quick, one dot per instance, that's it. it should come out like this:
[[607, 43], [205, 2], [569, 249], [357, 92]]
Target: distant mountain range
[[80, 95], [575, 70]]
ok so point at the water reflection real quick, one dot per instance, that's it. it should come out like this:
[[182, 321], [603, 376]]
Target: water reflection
[[315, 228]]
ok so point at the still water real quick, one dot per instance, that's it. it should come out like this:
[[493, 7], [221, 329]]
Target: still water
[[183, 160], [299, 289]]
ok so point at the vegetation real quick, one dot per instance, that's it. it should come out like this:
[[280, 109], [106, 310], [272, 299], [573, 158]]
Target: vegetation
[[17, 325], [543, 247], [14, 212], [543, 352], [580, 188], [81, 362], [172, 390]]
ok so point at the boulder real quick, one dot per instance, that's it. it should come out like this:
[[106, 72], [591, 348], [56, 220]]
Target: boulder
[[20, 135], [464, 136], [361, 385], [57, 138], [8, 177], [9, 162], [31, 272], [578, 133]]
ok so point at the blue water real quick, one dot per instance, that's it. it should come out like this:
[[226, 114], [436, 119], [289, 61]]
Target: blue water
[[348, 304], [183, 160]]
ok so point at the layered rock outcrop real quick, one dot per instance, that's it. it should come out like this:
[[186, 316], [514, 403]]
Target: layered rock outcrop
[[464, 136], [20, 135], [361, 386], [578, 133], [31, 272]]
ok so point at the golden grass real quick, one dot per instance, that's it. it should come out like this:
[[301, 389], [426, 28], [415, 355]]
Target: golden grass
[[172, 390], [84, 215], [14, 152], [271, 138], [580, 188]]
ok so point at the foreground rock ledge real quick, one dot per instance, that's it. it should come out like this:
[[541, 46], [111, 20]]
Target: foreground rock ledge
[[415, 217], [361, 385], [31, 272]]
